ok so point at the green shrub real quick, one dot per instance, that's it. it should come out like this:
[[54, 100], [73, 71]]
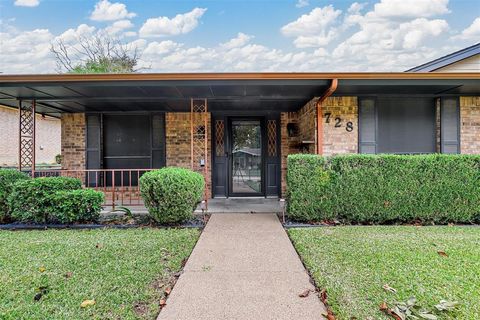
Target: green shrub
[[82, 205], [33, 200], [7, 178], [380, 189], [171, 194]]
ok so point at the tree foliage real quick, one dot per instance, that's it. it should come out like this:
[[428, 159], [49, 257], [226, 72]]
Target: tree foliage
[[100, 53]]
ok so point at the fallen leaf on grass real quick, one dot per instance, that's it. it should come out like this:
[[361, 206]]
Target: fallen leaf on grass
[[386, 287], [87, 303], [383, 306], [68, 275], [304, 294], [445, 305], [42, 269], [442, 253], [323, 295], [427, 315]]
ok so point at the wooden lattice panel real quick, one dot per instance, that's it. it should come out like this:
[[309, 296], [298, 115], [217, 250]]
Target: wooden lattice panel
[[219, 138], [199, 135], [26, 155], [272, 138]]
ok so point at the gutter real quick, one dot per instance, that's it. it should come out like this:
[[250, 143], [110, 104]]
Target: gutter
[[320, 101]]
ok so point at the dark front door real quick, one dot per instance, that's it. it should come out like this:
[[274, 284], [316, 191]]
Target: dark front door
[[246, 157]]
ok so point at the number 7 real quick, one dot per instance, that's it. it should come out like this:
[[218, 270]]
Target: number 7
[[328, 115]]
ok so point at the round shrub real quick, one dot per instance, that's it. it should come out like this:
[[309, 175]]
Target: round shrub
[[171, 194], [82, 205], [7, 178], [33, 200]]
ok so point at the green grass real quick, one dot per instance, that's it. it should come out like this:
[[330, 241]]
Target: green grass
[[353, 263], [122, 270]]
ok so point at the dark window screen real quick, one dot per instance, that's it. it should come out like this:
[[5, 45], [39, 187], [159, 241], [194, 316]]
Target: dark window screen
[[406, 125], [127, 142]]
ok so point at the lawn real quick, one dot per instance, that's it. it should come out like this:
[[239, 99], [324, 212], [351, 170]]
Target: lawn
[[124, 271], [353, 264]]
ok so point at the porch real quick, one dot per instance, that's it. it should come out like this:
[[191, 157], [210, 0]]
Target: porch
[[234, 129]]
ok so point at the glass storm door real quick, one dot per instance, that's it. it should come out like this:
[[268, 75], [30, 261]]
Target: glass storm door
[[246, 158]]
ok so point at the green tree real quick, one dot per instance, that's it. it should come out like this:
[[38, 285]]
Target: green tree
[[98, 54]]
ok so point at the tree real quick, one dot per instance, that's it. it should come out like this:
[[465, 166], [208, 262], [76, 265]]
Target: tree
[[97, 54]]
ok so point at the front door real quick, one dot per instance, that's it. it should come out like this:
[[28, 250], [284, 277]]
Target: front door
[[246, 157]]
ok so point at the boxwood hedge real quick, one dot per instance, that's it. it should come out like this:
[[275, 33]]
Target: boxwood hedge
[[33, 200], [384, 189], [7, 178], [171, 194]]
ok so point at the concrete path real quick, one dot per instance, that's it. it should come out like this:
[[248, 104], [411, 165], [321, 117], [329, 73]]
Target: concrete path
[[243, 267]]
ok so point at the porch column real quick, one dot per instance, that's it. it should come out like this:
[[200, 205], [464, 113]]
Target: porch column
[[26, 135]]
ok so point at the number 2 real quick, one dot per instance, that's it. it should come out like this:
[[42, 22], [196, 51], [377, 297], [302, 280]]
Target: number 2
[[338, 122]]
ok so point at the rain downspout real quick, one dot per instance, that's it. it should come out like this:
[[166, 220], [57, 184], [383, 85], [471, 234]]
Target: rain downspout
[[320, 101]]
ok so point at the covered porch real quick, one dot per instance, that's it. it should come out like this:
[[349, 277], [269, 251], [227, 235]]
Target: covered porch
[[235, 129]]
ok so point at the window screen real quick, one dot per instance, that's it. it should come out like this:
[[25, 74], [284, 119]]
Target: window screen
[[406, 125], [126, 141]]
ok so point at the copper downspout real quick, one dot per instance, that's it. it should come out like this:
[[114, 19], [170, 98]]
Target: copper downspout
[[326, 94]]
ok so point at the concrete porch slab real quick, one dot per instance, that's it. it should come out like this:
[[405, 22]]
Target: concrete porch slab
[[242, 205]]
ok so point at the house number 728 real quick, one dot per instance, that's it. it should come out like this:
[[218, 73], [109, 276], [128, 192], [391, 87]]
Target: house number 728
[[338, 122]]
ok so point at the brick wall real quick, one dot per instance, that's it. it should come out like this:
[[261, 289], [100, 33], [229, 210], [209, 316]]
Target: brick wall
[[47, 142], [178, 137], [73, 141], [470, 125], [337, 140]]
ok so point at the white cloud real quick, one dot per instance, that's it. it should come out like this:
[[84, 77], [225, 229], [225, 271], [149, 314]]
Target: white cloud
[[411, 8], [164, 26], [239, 41], [119, 26], [383, 42], [72, 35], [26, 52], [313, 29], [356, 7], [302, 3], [26, 3], [107, 11], [472, 32]]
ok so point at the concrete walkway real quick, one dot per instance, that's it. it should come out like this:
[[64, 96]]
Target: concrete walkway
[[243, 267]]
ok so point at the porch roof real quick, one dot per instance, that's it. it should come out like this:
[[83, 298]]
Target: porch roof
[[66, 93]]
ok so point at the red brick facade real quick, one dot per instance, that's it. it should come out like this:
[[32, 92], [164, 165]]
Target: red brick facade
[[73, 141], [470, 125], [178, 143], [337, 139]]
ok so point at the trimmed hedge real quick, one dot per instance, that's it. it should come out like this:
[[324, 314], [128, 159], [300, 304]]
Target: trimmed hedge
[[171, 194], [7, 178], [380, 189], [33, 200], [82, 205]]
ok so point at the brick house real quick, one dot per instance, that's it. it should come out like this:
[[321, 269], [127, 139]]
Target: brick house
[[238, 128], [48, 138]]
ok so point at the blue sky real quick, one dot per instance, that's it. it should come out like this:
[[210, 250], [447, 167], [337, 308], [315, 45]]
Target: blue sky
[[251, 35]]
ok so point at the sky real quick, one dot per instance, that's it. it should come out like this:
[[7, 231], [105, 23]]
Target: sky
[[243, 36]]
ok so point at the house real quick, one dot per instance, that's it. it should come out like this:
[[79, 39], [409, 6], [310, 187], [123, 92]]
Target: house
[[48, 138], [465, 60], [116, 126]]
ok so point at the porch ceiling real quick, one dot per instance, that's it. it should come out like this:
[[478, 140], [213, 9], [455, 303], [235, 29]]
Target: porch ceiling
[[57, 94]]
